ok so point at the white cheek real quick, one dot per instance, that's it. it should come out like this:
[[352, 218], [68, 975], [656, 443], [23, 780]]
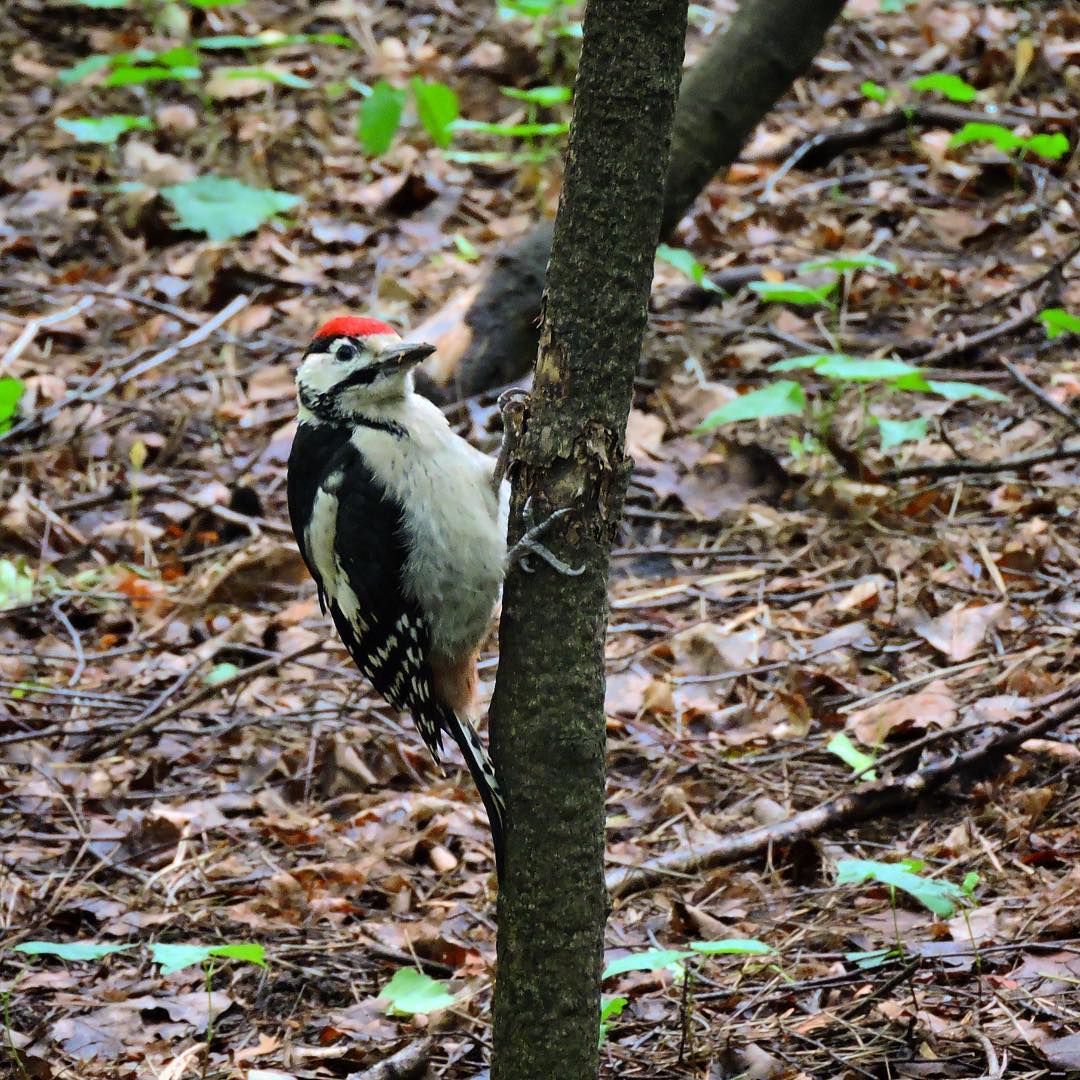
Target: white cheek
[[319, 372]]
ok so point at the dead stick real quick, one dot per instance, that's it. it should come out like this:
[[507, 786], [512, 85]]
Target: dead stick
[[970, 468], [883, 798], [409, 1063], [1037, 392]]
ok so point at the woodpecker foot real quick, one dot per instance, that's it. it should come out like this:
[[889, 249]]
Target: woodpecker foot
[[530, 544], [512, 405]]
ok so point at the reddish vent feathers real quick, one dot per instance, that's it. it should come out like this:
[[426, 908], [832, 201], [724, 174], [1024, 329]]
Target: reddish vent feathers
[[351, 326]]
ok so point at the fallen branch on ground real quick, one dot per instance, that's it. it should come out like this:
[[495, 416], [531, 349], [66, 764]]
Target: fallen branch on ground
[[887, 797], [409, 1063]]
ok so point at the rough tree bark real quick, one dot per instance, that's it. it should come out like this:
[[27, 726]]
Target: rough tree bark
[[547, 713], [767, 45]]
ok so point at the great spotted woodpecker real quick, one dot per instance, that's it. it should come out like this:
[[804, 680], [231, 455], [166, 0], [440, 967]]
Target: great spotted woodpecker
[[403, 528]]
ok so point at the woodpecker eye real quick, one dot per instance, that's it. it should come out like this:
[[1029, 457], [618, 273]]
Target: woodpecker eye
[[346, 352]]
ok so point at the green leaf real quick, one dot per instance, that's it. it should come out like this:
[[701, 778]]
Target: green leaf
[[70, 950], [104, 129], [849, 262], [851, 755], [220, 673], [848, 368], [649, 960], [939, 896], [16, 585], [1058, 321], [897, 432], [1004, 139], [379, 117], [127, 75], [872, 958], [959, 391], [437, 108], [685, 263], [971, 880], [538, 95], [224, 208], [873, 91], [282, 78], [792, 292], [1054, 146], [271, 39], [950, 86], [531, 9], [99, 3], [11, 392], [411, 991], [177, 957], [511, 131], [783, 398], [479, 157], [466, 248], [85, 67], [206, 4], [609, 1009], [732, 947]]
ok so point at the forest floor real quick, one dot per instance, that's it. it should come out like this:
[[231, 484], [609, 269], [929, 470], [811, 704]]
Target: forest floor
[[188, 757]]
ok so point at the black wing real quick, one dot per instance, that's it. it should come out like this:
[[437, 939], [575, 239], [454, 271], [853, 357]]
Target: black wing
[[384, 630]]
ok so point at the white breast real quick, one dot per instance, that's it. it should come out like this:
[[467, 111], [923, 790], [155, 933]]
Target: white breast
[[455, 525]]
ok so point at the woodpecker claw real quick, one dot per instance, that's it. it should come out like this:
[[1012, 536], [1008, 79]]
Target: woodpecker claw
[[512, 405], [529, 543]]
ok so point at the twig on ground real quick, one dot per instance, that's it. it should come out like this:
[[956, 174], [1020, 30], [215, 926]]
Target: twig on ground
[[1037, 391], [970, 468], [878, 799], [409, 1063]]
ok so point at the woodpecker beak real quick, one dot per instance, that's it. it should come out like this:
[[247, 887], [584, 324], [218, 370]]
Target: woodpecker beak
[[405, 355]]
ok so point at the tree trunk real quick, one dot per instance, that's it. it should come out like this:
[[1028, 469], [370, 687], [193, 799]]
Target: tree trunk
[[767, 45], [548, 711]]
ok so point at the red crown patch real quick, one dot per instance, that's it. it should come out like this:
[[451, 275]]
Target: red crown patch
[[352, 326]]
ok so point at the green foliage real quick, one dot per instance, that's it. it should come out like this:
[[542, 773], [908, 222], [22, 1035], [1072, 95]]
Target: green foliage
[[177, 957], [271, 39], [873, 91], [783, 398], [1056, 321], [842, 263], [673, 959], [411, 991], [11, 392], [846, 368], [70, 950], [609, 1009], [543, 96], [16, 587], [958, 391], [220, 673], [512, 131], [898, 432], [179, 63], [872, 958], [950, 86], [466, 248], [1053, 146], [940, 897], [851, 755], [530, 9], [437, 108], [99, 3], [379, 117], [793, 292], [282, 78], [685, 262], [206, 4], [224, 208], [105, 130]]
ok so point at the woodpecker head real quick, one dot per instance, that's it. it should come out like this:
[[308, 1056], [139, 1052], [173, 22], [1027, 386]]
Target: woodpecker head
[[353, 364]]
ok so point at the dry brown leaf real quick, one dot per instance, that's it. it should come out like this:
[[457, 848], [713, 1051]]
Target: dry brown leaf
[[932, 707], [960, 632]]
